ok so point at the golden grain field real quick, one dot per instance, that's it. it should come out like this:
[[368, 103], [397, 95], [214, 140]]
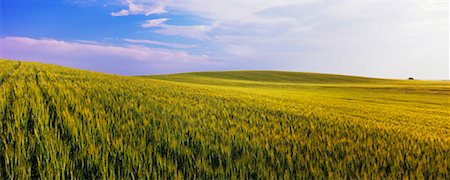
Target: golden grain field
[[59, 123]]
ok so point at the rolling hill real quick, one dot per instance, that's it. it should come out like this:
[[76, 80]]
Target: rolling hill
[[59, 122]]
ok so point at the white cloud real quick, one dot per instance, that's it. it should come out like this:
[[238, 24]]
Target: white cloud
[[369, 37], [145, 9], [154, 22], [172, 45], [241, 51], [87, 42], [106, 58], [245, 11], [194, 32]]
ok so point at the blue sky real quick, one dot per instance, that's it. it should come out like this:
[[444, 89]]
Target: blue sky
[[378, 38]]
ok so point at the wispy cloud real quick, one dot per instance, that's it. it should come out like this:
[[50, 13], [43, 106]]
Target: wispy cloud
[[87, 42], [145, 9], [371, 37], [106, 58], [172, 45], [194, 31], [154, 23], [234, 11], [199, 32]]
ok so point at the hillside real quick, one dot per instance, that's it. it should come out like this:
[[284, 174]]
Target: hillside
[[274, 76], [60, 122]]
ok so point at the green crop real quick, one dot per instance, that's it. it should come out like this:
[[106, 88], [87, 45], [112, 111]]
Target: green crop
[[59, 123]]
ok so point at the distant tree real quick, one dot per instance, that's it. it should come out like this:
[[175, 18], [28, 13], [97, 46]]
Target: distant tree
[[410, 78]]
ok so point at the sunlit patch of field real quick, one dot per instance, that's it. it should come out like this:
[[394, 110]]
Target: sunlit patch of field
[[59, 122]]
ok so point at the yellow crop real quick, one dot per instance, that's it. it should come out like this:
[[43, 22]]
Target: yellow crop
[[59, 123]]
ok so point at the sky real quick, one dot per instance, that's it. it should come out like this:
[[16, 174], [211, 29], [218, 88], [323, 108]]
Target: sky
[[374, 38]]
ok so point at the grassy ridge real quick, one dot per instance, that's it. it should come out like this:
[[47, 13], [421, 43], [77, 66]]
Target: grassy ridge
[[61, 122]]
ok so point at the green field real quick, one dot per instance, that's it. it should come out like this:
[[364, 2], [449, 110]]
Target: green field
[[58, 122]]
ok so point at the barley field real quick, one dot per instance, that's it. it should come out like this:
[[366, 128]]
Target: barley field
[[60, 123]]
